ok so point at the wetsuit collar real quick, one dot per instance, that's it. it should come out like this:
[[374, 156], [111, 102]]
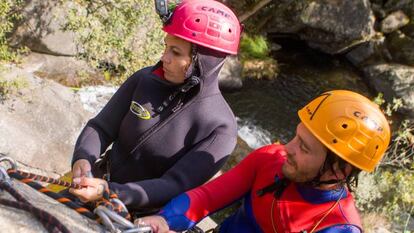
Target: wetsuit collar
[[318, 196]]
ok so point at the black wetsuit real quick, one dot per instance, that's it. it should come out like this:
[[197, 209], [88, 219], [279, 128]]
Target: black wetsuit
[[183, 145]]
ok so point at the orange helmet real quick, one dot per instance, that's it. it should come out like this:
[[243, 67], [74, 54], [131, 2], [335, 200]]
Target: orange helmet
[[350, 125]]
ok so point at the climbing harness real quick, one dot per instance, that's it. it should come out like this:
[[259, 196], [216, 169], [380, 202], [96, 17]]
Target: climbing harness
[[109, 210]]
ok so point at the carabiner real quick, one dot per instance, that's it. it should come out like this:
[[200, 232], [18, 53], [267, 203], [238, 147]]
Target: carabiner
[[11, 161]]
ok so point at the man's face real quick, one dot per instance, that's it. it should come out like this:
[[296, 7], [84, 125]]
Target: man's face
[[305, 156]]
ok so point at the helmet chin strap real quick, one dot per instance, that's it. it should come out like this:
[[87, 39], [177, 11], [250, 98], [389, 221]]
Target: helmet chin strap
[[196, 67], [317, 182], [193, 67]]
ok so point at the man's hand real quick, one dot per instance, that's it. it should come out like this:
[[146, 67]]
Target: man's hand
[[81, 168], [93, 188], [157, 223]]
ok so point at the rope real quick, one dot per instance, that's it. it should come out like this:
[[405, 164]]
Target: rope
[[109, 205], [46, 179], [48, 221], [320, 220], [58, 197], [109, 199], [329, 211], [271, 215]]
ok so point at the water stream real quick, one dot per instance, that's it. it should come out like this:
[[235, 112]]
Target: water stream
[[267, 110]]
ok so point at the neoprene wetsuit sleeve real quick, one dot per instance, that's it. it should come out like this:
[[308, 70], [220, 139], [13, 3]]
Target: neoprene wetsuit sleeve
[[102, 130], [184, 211], [193, 169], [341, 228]]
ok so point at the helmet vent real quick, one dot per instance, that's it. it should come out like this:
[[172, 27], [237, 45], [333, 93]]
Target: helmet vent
[[229, 30], [376, 147], [344, 126], [197, 20], [335, 141]]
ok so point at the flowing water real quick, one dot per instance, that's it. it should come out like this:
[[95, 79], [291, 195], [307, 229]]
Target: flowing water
[[267, 110]]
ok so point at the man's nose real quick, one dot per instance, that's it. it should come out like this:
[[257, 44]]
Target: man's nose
[[290, 147]]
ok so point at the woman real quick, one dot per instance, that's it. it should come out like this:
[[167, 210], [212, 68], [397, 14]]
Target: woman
[[169, 126]]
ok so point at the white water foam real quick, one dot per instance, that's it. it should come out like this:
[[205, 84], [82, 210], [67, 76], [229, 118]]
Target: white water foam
[[253, 135], [94, 98]]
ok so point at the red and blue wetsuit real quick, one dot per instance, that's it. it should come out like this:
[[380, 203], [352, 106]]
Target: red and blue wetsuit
[[298, 209]]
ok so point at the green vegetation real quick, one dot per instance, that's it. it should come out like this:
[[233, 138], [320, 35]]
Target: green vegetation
[[9, 87], [255, 57], [254, 47], [108, 32], [9, 13], [389, 190], [388, 193]]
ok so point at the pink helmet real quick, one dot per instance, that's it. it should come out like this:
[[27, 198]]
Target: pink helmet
[[207, 23]]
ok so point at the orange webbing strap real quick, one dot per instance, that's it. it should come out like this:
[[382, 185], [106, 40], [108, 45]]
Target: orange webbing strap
[[50, 222], [110, 200], [69, 203], [47, 179]]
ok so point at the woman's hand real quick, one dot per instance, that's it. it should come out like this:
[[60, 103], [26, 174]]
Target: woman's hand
[[93, 188], [157, 223], [81, 168]]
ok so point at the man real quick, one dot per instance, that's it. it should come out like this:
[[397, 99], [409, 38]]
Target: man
[[303, 186]]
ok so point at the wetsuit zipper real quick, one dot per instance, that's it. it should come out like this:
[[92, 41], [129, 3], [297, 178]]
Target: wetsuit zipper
[[160, 124]]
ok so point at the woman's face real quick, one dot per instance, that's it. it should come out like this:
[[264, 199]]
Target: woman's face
[[176, 58]]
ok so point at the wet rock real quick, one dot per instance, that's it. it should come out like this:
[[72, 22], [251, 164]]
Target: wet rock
[[239, 153], [67, 71], [275, 47], [401, 48], [394, 21], [409, 29], [40, 122], [407, 6], [40, 30], [19, 221], [374, 50], [379, 12], [331, 26], [261, 69], [394, 81], [230, 75]]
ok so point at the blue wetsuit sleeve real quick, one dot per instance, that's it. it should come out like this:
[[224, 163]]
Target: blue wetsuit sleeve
[[174, 213], [343, 228]]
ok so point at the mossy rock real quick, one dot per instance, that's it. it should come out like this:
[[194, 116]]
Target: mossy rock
[[267, 69]]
